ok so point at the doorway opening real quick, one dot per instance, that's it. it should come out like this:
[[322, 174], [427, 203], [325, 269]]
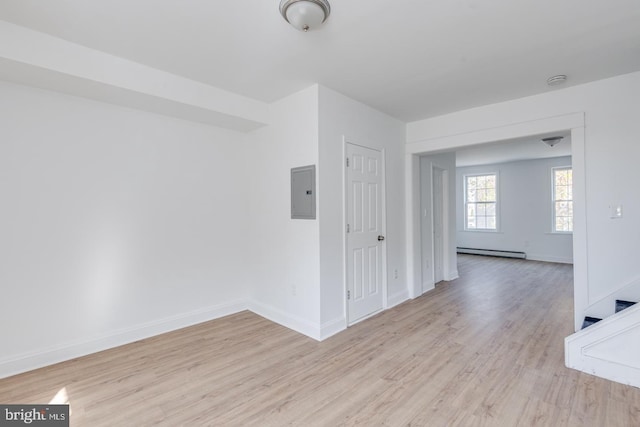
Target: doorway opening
[[571, 124]]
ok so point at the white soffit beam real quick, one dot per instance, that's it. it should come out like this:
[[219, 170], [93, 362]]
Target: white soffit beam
[[40, 60]]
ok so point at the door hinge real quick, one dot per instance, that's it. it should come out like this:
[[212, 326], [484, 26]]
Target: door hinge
[[347, 162], [348, 228], [348, 294]]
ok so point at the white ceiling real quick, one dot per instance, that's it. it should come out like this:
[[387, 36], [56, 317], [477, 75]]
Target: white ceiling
[[512, 150], [409, 58]]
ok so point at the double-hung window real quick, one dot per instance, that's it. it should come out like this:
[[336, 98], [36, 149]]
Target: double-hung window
[[562, 200], [481, 202]]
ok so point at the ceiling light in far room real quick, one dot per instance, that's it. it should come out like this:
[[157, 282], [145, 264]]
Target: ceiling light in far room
[[305, 15], [556, 80], [552, 140]]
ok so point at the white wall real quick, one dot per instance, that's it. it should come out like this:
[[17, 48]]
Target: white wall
[[611, 151], [446, 161], [115, 224], [283, 253], [298, 265], [119, 224], [525, 211], [342, 117]]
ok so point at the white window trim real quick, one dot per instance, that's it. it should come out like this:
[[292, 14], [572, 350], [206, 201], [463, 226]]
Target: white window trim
[[464, 185], [553, 200]]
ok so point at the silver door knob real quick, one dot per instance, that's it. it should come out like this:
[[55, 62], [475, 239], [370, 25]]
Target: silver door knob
[[380, 238]]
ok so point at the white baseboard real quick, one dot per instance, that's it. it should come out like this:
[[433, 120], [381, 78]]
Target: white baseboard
[[397, 298], [547, 258], [303, 326], [426, 287], [332, 327], [45, 357], [453, 275]]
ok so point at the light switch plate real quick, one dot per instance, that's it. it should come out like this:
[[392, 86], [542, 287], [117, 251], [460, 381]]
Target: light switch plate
[[616, 211]]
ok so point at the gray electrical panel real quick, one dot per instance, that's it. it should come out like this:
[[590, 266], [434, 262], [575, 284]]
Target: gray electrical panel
[[303, 188]]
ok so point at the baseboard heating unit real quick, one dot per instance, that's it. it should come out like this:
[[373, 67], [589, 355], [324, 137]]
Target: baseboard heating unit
[[492, 252]]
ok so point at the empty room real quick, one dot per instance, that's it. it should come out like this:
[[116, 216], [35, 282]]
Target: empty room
[[319, 213]]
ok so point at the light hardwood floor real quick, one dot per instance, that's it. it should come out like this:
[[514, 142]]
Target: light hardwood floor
[[486, 350]]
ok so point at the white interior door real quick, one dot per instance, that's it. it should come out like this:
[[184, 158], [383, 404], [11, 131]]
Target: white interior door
[[438, 225], [365, 237]]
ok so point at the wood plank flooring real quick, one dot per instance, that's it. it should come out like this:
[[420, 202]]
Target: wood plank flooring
[[483, 350]]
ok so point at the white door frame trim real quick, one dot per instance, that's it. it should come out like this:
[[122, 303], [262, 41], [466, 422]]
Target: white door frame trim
[[446, 274], [575, 122], [385, 303]]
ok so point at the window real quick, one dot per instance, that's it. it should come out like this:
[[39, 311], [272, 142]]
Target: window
[[562, 200], [481, 199]]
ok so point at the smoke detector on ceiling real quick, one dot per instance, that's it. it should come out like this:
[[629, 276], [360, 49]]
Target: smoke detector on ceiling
[[556, 80], [552, 140]]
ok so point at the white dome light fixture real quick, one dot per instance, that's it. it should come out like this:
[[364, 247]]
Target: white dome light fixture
[[305, 15]]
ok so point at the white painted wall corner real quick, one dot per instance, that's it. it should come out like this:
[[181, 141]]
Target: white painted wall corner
[[303, 326]]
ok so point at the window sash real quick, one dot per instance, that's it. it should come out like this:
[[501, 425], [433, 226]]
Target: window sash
[[481, 200], [562, 200]]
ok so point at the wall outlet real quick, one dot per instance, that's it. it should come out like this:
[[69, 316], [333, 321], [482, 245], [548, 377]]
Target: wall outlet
[[395, 273], [294, 290]]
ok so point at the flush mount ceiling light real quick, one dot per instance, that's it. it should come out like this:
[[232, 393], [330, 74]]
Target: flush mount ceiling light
[[556, 80], [552, 140], [305, 15]]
